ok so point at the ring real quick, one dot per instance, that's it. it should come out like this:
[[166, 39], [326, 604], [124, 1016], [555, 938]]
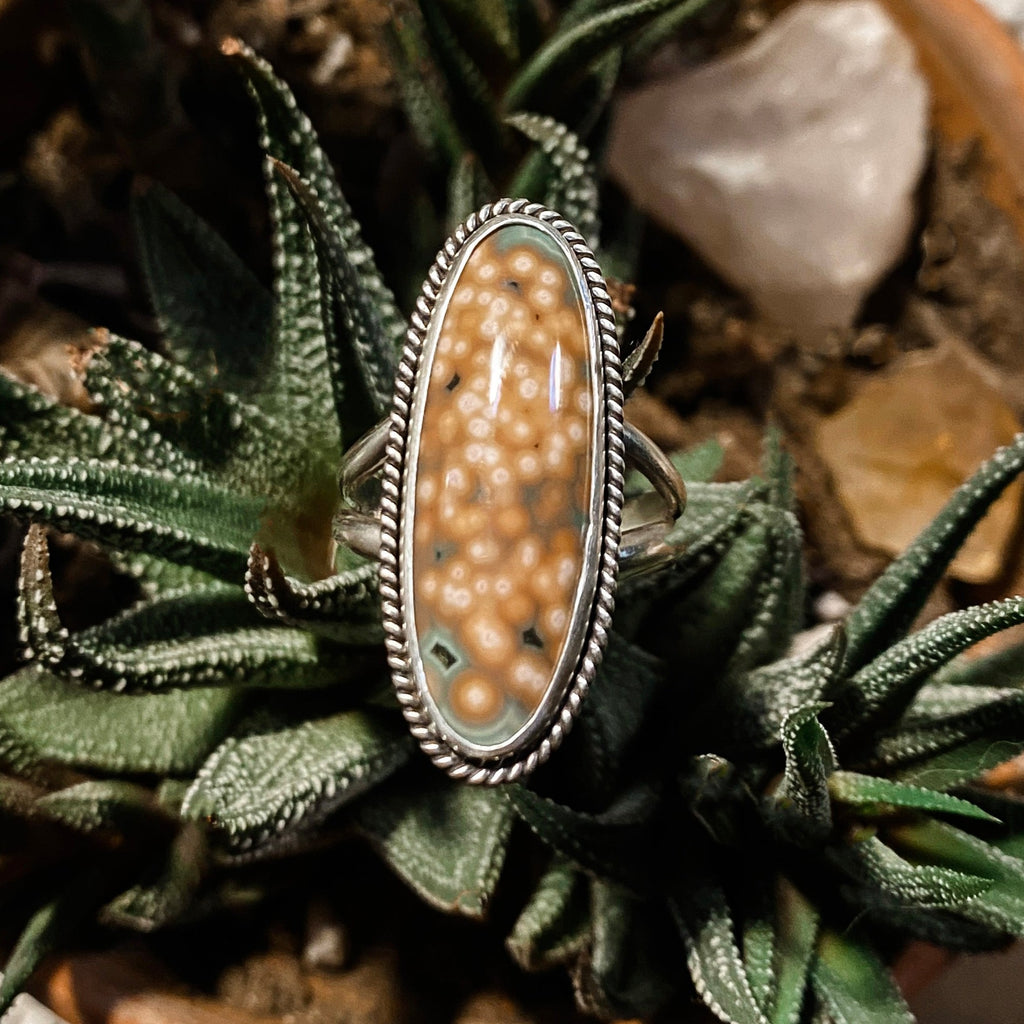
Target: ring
[[498, 513]]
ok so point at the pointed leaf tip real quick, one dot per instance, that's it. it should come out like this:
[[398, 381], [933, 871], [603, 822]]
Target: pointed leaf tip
[[853, 984], [446, 840], [889, 607], [867, 790]]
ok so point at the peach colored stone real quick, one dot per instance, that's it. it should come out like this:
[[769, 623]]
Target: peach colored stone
[[503, 484], [909, 437]]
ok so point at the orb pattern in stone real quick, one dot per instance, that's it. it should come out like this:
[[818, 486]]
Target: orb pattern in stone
[[503, 480]]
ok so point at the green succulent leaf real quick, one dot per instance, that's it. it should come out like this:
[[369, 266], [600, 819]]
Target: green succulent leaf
[[275, 776], [167, 890], [344, 607], [291, 140], [579, 11], [810, 761], [744, 611], [1003, 669], [966, 720], [853, 984], [758, 951], [554, 926], [893, 678], [629, 966], [617, 843], [572, 187], [214, 314], [923, 885], [779, 471], [18, 795], [602, 745], [941, 927], [181, 422], [1001, 905], [33, 425], [468, 190], [101, 804], [699, 464], [199, 637], [491, 22], [760, 701], [422, 87], [795, 938], [446, 841], [156, 576], [472, 100], [180, 518], [713, 957], [765, 564], [299, 384], [360, 349], [169, 733], [778, 944], [581, 45], [777, 592], [869, 791], [637, 364], [887, 610], [715, 515], [958, 763], [949, 734], [663, 29], [596, 91], [44, 931], [938, 702]]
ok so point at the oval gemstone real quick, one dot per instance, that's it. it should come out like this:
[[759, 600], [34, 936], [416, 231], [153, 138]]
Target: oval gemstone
[[500, 490]]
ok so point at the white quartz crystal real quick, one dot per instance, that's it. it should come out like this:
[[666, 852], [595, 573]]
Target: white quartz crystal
[[790, 164], [1010, 13]]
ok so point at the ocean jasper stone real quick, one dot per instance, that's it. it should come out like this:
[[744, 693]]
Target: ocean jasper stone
[[500, 490]]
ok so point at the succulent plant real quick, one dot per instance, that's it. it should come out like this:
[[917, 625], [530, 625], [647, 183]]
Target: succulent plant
[[779, 819]]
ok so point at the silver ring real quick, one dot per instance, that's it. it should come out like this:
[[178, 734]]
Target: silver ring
[[500, 522]]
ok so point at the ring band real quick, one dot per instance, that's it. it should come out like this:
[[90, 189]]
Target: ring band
[[501, 525]]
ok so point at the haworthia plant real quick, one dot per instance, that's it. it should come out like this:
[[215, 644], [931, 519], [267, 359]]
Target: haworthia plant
[[777, 822]]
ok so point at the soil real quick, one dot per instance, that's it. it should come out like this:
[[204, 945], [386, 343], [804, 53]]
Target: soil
[[389, 959], [313, 953]]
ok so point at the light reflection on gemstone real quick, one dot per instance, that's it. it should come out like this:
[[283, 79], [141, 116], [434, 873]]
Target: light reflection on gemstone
[[555, 379]]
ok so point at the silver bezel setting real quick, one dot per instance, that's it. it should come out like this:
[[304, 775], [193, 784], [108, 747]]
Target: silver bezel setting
[[589, 634]]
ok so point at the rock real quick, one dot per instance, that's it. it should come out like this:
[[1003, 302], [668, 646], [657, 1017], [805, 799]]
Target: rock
[[831, 607], [370, 992], [790, 164], [1010, 13], [51, 349], [492, 1008], [327, 945], [266, 984], [27, 1010], [126, 986], [906, 440]]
